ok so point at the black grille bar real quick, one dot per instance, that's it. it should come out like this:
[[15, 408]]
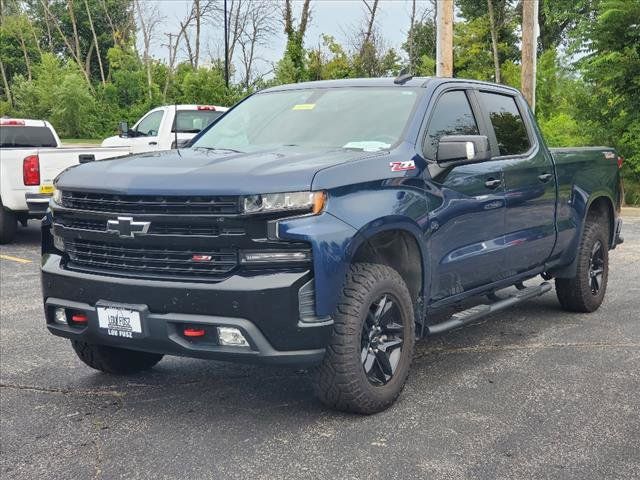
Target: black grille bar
[[160, 262], [138, 204], [156, 228]]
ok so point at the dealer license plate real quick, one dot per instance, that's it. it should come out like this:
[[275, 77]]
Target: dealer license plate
[[119, 322]]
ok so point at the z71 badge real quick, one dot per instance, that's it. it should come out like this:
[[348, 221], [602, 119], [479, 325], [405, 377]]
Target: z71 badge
[[402, 166]]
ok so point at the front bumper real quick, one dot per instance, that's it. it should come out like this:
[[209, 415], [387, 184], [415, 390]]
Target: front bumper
[[264, 307]]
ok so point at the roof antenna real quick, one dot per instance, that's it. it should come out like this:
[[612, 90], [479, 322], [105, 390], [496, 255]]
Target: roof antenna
[[402, 78]]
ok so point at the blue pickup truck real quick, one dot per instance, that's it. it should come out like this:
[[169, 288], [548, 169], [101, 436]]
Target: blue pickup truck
[[327, 224]]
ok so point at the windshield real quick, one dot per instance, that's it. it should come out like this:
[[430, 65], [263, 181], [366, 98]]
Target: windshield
[[363, 118]]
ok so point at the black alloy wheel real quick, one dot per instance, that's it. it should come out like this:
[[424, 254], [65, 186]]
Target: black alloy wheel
[[382, 340], [596, 267]]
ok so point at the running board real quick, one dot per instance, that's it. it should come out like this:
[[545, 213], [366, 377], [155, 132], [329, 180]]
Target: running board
[[475, 313]]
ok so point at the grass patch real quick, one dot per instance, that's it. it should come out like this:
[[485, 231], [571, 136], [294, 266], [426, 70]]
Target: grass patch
[[81, 141], [631, 190]]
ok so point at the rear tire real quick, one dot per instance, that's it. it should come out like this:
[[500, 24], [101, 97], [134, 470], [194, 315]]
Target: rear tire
[[367, 360], [8, 225], [585, 292], [114, 360]]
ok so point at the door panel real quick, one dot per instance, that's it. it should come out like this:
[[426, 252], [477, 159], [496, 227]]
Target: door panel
[[529, 183], [530, 192], [466, 206], [467, 229]]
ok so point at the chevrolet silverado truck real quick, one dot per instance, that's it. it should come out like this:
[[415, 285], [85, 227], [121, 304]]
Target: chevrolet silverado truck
[[328, 224], [31, 156]]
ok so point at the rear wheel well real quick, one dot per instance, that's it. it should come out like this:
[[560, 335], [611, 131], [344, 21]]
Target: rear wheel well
[[399, 250], [601, 211]]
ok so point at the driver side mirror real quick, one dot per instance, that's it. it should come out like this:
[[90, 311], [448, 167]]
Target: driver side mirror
[[463, 149], [123, 129]]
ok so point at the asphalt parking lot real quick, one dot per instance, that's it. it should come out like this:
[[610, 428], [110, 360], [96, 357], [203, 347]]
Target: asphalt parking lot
[[532, 392]]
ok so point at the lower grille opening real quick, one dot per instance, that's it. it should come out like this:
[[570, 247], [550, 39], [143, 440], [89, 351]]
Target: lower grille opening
[[149, 262]]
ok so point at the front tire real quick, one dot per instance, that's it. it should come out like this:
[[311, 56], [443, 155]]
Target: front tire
[[371, 347], [585, 292], [8, 225], [114, 360]]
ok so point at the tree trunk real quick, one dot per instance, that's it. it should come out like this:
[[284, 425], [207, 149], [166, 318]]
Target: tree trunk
[[494, 40], [411, 33], [444, 44], [196, 5], [74, 25], [5, 81], [87, 60], [372, 18], [26, 55], [95, 41]]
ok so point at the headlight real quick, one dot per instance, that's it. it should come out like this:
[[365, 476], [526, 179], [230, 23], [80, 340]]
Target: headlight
[[57, 196], [276, 202]]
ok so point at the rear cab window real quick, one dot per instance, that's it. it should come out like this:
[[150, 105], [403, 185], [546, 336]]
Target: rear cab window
[[26, 137], [193, 121], [508, 125], [452, 115]]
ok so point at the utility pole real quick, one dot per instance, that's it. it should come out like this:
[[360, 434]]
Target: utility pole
[[226, 46], [529, 51], [444, 41]]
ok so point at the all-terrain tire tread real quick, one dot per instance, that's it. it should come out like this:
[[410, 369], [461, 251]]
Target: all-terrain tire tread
[[574, 294], [337, 383]]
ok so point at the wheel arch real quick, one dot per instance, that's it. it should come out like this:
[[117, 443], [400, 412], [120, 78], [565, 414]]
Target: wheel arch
[[397, 246]]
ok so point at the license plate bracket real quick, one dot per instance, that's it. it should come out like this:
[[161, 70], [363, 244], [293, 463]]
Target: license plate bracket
[[121, 320]]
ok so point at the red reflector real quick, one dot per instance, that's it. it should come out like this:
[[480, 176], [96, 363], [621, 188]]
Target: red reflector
[[194, 332], [620, 161], [206, 107], [79, 318], [31, 170], [11, 123]]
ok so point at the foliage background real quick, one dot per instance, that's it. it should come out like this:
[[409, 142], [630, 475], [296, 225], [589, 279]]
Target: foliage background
[[77, 63]]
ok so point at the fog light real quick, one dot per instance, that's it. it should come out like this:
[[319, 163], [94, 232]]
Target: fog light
[[60, 316], [58, 242], [280, 256], [231, 336]]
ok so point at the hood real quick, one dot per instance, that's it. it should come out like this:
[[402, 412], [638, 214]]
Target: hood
[[205, 172], [115, 141]]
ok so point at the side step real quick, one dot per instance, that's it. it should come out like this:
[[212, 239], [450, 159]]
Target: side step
[[475, 313]]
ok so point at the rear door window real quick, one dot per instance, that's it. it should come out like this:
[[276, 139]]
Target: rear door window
[[452, 115], [192, 121], [26, 137], [508, 125]]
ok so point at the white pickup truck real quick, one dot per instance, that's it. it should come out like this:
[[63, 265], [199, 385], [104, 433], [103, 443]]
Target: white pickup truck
[[164, 128], [31, 156]]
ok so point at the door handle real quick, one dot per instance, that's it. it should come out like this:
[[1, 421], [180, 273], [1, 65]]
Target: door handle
[[493, 183], [545, 177], [153, 143]]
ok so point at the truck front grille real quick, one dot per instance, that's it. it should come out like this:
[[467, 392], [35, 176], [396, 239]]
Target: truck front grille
[[132, 261], [157, 227], [145, 204]]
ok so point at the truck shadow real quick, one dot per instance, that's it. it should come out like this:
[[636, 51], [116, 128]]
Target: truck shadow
[[177, 387]]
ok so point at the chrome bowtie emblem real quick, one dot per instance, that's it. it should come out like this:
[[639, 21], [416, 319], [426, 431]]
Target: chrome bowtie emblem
[[126, 227]]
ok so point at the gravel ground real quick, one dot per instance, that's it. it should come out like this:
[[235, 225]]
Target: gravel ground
[[532, 392]]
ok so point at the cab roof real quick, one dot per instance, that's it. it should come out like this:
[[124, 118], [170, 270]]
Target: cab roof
[[380, 82]]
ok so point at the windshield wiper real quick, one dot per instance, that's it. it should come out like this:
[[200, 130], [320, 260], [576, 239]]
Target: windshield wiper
[[216, 149]]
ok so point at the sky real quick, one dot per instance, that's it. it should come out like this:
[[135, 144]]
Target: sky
[[333, 17]]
